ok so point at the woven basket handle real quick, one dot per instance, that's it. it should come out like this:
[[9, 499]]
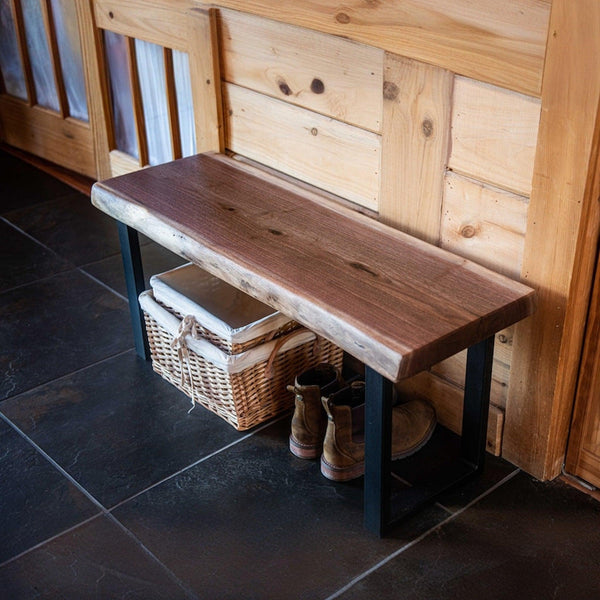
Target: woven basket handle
[[269, 369]]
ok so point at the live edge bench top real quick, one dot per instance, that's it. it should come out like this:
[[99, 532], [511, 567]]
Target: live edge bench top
[[394, 302]]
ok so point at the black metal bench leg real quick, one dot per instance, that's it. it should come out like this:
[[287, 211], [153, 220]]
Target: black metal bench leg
[[378, 451], [134, 278], [378, 517], [477, 402]]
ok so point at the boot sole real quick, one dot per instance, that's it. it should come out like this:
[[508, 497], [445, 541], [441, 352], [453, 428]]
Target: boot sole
[[302, 451], [353, 472]]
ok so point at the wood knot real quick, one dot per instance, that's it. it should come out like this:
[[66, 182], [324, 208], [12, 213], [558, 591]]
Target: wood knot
[[317, 86], [314, 131], [362, 267], [502, 339], [284, 87], [342, 18], [111, 14], [468, 231], [390, 90], [427, 127]]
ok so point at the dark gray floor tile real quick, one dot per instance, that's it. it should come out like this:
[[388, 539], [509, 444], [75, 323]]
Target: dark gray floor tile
[[71, 227], [155, 259], [24, 185], [256, 522], [55, 326], [36, 500], [526, 539], [96, 560], [118, 427], [22, 260], [442, 449]]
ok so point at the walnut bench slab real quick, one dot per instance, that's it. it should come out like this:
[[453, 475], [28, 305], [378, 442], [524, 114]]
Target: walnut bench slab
[[394, 302]]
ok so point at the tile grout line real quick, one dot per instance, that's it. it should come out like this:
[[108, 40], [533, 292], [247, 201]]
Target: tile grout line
[[51, 538], [187, 590], [73, 267], [104, 512], [409, 485], [412, 543], [104, 285], [199, 461], [69, 374], [38, 242], [107, 512]]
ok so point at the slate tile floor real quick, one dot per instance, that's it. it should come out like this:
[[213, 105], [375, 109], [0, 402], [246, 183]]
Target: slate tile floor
[[110, 489]]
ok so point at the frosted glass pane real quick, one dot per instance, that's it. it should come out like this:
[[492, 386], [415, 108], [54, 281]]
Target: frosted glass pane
[[185, 106], [39, 55], [10, 60], [120, 87], [71, 61], [151, 69]]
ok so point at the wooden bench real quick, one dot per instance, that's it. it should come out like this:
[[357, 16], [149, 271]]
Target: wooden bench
[[396, 303]]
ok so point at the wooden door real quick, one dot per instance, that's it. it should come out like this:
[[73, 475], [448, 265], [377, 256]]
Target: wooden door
[[583, 455], [156, 75], [43, 99]]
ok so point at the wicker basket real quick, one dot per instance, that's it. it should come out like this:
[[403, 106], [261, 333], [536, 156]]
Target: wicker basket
[[225, 316], [246, 388]]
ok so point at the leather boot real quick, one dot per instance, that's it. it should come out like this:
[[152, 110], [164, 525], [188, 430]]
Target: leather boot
[[344, 447], [309, 420]]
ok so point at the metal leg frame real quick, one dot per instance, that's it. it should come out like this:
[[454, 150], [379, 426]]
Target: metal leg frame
[[379, 514], [134, 278]]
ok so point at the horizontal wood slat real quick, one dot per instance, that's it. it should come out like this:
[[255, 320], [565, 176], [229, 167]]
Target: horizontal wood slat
[[498, 42], [391, 300], [158, 21], [323, 73], [484, 224], [334, 156], [121, 163], [494, 135], [447, 399]]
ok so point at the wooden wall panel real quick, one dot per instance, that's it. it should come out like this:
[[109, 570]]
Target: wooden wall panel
[[416, 126], [494, 135], [335, 77], [448, 402], [322, 151], [499, 42], [484, 224]]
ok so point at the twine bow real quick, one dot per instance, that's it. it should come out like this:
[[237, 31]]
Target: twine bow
[[187, 326]]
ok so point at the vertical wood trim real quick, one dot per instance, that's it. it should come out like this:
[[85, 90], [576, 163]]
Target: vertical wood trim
[[97, 88], [416, 130], [206, 80], [172, 103], [586, 416], [23, 51], [138, 105], [59, 82], [558, 256]]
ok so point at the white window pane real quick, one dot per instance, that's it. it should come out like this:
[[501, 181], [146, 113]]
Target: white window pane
[[151, 69], [185, 106], [39, 55], [71, 61], [10, 59]]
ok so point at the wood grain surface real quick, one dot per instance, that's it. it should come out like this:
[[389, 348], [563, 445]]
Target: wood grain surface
[[394, 302]]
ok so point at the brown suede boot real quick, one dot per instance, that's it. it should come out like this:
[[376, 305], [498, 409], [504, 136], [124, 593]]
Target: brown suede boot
[[309, 420], [344, 447]]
